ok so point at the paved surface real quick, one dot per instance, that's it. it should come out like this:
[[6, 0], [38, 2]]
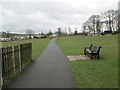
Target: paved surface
[[79, 57], [49, 70]]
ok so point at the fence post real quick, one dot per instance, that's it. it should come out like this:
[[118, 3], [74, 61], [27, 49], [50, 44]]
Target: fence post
[[13, 60], [19, 59]]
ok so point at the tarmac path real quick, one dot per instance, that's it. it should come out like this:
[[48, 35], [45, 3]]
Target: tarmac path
[[49, 70]]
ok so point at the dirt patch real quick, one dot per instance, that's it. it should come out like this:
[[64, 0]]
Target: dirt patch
[[79, 57]]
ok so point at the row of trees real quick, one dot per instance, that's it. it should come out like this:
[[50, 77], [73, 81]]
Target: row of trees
[[106, 21], [67, 31], [98, 23]]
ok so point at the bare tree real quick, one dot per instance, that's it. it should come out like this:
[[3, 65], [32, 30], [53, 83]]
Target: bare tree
[[49, 33], [29, 32], [109, 17], [69, 30], [86, 27], [98, 24], [42, 33], [115, 21], [83, 28], [59, 31], [75, 32], [119, 17], [66, 31], [92, 22]]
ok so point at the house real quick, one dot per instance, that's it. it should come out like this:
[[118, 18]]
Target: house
[[54, 35]]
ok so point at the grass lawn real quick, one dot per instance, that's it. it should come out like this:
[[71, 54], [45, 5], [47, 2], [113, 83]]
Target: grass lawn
[[102, 73], [38, 45]]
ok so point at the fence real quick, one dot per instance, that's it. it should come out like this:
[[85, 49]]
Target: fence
[[14, 60]]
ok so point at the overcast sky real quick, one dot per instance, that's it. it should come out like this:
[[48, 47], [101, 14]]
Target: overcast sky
[[44, 15]]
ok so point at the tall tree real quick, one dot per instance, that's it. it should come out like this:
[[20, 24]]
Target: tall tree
[[83, 28], [59, 31], [66, 31], [119, 17], [115, 21], [86, 27], [92, 22], [98, 24], [69, 30], [109, 16]]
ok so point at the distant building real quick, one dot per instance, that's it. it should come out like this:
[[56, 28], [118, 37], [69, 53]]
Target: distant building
[[54, 35]]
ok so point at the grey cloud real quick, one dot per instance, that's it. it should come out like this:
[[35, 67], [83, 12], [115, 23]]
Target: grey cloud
[[43, 16]]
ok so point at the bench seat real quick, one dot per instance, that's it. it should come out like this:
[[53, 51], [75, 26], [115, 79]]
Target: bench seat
[[93, 51], [89, 51]]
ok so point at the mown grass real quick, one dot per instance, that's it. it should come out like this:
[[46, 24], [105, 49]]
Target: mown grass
[[102, 73], [38, 45]]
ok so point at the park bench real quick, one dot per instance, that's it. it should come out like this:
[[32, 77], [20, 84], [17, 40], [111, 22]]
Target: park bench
[[93, 51]]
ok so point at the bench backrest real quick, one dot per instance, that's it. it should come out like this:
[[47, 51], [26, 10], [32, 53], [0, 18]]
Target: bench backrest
[[95, 48]]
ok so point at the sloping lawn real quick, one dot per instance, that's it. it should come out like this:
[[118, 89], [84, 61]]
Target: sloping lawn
[[102, 73], [38, 45]]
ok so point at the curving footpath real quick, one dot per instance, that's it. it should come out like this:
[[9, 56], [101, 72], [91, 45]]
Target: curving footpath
[[49, 70]]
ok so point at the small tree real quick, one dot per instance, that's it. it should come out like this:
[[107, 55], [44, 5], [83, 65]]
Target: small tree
[[29, 32], [4, 34], [49, 33], [76, 32]]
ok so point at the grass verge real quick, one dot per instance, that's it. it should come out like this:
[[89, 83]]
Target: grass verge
[[102, 73]]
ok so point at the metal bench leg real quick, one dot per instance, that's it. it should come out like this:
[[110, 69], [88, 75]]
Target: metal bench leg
[[98, 56], [84, 52], [91, 56]]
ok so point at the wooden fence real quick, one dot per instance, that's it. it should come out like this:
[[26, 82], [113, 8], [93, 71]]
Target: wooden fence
[[14, 60]]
